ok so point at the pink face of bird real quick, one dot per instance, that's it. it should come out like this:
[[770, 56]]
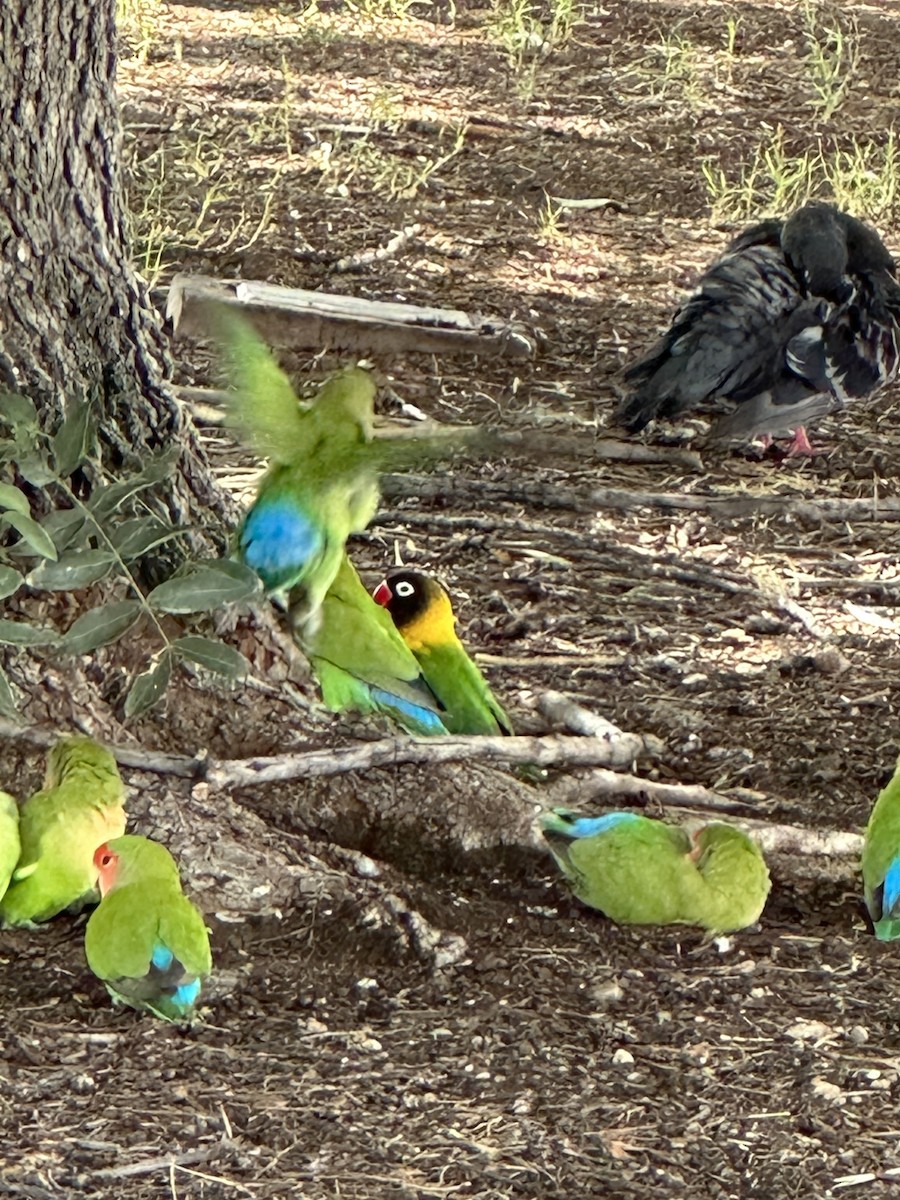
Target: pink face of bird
[[107, 866]]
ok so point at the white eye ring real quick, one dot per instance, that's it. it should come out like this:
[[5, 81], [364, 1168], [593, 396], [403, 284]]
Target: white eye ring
[[405, 589]]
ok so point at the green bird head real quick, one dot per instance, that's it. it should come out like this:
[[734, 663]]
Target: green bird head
[[84, 759], [132, 859], [733, 867]]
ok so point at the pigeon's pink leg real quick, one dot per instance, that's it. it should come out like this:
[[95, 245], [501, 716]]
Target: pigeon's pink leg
[[800, 445]]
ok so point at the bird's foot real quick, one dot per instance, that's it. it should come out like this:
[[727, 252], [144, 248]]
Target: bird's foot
[[800, 446]]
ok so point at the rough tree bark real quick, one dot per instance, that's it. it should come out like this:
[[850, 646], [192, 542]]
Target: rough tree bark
[[76, 321]]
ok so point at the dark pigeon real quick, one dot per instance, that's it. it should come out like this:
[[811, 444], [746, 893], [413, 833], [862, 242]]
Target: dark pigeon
[[796, 318]]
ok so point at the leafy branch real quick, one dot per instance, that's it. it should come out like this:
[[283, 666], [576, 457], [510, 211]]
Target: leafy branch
[[86, 541]]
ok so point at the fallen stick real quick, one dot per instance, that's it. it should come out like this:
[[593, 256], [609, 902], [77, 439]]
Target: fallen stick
[[547, 751], [485, 493], [293, 317], [577, 719], [602, 783]]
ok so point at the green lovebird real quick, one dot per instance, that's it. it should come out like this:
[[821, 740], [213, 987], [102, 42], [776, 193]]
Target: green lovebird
[[421, 610], [145, 940], [643, 872], [362, 662], [322, 481], [80, 805], [10, 846], [881, 861]]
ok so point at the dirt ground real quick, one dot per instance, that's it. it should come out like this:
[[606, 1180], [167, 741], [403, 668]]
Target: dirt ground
[[561, 1056]]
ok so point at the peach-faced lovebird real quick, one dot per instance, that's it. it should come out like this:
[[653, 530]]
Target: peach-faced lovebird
[[361, 661], [80, 805], [643, 872], [421, 610], [145, 939], [881, 861], [322, 481], [10, 846]]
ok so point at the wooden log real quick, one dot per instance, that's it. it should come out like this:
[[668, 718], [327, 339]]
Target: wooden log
[[293, 317]]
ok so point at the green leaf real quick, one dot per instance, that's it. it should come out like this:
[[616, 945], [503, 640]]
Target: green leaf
[[33, 466], [213, 656], [205, 589], [8, 706], [17, 410], [36, 537], [135, 537], [18, 633], [232, 568], [107, 499], [12, 497], [64, 526], [101, 626], [149, 687], [74, 570], [10, 581], [71, 439]]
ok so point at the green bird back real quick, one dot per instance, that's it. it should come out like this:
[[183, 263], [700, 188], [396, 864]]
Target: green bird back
[[635, 870], [881, 861], [146, 941], [10, 845], [80, 806], [361, 661], [423, 614]]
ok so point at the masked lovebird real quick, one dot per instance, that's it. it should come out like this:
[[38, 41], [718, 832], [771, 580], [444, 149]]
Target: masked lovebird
[[10, 846], [421, 610], [361, 661], [80, 805], [643, 872], [322, 481], [145, 940], [881, 862]]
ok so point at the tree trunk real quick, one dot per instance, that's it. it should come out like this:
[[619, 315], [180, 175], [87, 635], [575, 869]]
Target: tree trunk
[[76, 321]]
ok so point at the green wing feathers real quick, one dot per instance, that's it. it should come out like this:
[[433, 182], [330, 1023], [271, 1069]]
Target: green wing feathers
[[469, 704]]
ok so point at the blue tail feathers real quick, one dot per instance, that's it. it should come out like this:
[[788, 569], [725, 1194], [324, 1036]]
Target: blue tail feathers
[[427, 721]]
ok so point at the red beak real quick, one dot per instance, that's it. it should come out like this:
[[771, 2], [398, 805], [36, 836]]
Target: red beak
[[383, 594]]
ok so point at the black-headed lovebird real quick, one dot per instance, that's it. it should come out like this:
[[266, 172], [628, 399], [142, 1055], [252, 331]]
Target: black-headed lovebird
[[80, 805], [638, 871], [145, 940], [361, 661], [423, 614], [881, 862]]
